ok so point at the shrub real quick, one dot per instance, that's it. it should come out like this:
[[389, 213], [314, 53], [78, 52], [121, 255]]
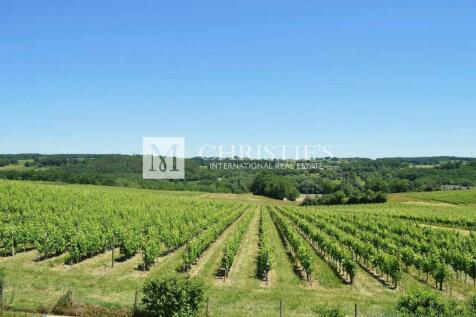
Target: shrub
[[326, 311], [421, 303], [174, 296], [471, 305], [65, 304]]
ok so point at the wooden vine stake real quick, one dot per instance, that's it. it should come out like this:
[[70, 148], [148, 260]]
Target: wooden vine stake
[[135, 300], [112, 255], [1, 296], [2, 288]]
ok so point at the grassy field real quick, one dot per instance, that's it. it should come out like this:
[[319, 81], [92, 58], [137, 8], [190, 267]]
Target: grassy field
[[38, 285], [19, 166]]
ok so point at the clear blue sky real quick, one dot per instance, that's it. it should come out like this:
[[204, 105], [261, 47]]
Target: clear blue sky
[[370, 78]]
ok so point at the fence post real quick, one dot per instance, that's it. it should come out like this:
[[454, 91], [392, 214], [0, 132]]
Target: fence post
[[1, 294], [267, 268], [355, 309], [135, 300], [281, 312], [208, 303]]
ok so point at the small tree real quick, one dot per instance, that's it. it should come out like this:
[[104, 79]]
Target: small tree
[[274, 186], [174, 296]]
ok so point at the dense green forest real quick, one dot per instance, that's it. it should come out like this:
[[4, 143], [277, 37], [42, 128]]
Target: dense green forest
[[340, 177]]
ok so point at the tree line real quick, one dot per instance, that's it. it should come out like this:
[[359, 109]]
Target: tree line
[[339, 180]]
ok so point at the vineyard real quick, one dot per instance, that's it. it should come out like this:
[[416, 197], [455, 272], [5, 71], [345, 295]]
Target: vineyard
[[103, 242], [448, 197]]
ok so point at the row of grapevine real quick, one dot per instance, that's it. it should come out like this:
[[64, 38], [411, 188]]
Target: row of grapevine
[[233, 243], [298, 247], [340, 258], [265, 258], [443, 219], [196, 246], [461, 216]]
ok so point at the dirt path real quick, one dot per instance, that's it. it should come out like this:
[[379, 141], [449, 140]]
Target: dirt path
[[100, 262], [429, 203], [100, 265], [366, 284], [458, 230], [205, 265], [243, 271], [168, 263]]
